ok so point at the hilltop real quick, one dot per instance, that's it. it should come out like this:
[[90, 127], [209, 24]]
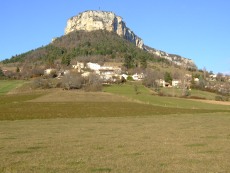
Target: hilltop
[[99, 33], [101, 20]]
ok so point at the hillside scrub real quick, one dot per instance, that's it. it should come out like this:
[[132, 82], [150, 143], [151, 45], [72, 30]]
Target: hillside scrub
[[80, 43], [68, 82]]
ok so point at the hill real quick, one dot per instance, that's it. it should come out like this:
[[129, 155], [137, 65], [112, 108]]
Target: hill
[[97, 45], [99, 33]]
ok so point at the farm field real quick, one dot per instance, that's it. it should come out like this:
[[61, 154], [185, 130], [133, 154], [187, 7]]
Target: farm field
[[162, 143], [9, 85], [116, 130]]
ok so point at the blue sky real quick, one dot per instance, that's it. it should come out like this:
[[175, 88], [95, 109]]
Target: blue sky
[[195, 29]]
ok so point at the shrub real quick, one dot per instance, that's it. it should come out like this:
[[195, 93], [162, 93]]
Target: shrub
[[130, 78], [197, 97], [221, 98], [43, 83], [93, 83], [72, 81]]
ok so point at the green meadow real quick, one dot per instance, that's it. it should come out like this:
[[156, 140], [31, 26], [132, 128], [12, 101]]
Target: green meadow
[[116, 130], [9, 85]]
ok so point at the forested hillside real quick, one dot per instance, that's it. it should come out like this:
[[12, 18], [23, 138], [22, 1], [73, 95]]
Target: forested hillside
[[109, 46]]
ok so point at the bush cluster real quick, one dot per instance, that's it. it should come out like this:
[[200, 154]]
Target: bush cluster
[[68, 82], [221, 98]]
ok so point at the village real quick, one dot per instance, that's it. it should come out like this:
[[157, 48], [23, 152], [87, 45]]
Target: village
[[110, 74]]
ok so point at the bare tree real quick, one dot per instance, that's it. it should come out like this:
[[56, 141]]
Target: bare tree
[[93, 83], [151, 77], [72, 81]]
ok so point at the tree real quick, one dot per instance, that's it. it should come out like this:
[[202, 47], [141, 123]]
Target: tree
[[220, 77], [143, 62], [168, 77], [151, 78], [66, 60], [1, 73], [17, 69], [202, 82], [72, 81], [129, 61], [93, 83]]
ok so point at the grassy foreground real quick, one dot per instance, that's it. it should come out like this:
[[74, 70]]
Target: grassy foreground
[[112, 131], [164, 143]]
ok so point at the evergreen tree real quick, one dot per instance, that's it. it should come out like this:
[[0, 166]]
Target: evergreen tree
[[129, 61], [66, 60], [168, 77], [1, 73], [17, 70]]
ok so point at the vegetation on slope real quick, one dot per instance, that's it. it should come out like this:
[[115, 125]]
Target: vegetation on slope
[[88, 44]]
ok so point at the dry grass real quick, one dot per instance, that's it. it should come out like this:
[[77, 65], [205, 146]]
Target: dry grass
[[57, 95], [71, 131], [166, 143], [74, 104], [213, 102]]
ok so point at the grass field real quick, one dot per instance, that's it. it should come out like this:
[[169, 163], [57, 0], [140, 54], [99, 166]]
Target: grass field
[[193, 93], [116, 130], [145, 96], [9, 85], [163, 143]]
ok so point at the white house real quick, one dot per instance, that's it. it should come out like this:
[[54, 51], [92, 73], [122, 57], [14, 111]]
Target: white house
[[176, 83], [125, 76], [79, 66], [85, 74], [93, 66], [196, 80], [49, 71], [110, 73], [135, 76], [138, 76], [161, 82]]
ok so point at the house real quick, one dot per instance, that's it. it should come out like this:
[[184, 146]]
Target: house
[[110, 73], [79, 66], [85, 74], [63, 73], [125, 76], [49, 71], [212, 77], [135, 77], [138, 76], [196, 79], [176, 83], [162, 83], [93, 66]]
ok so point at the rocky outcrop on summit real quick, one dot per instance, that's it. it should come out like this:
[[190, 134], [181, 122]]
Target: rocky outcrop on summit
[[101, 20]]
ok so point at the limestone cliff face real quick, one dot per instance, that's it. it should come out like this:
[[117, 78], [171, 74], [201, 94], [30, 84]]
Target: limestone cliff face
[[101, 20]]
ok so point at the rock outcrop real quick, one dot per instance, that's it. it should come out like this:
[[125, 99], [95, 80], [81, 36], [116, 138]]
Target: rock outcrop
[[101, 20], [176, 59]]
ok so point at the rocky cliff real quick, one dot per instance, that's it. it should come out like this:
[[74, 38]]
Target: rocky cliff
[[176, 59], [101, 20]]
